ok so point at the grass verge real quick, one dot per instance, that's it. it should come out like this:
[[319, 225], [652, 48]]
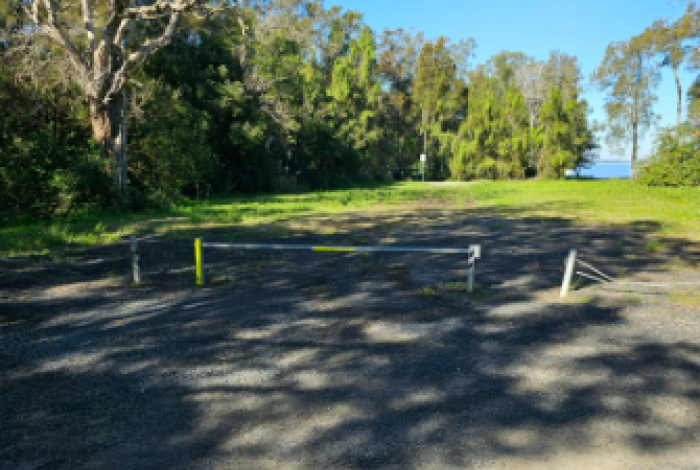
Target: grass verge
[[662, 211]]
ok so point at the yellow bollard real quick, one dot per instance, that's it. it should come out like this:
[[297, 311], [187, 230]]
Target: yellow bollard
[[199, 261]]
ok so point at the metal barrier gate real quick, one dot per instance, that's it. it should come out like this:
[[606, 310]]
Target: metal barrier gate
[[474, 252]]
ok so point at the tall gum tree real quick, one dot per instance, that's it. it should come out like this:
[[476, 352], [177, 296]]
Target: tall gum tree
[[629, 78], [531, 83], [398, 56], [670, 40], [90, 39]]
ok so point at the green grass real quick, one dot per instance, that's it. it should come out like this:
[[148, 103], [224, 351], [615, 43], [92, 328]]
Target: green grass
[[454, 289], [654, 246], [671, 211], [427, 290], [685, 298], [663, 211], [582, 299]]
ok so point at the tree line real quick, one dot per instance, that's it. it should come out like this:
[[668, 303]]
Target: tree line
[[130, 104]]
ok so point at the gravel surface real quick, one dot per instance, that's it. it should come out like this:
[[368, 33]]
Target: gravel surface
[[304, 360]]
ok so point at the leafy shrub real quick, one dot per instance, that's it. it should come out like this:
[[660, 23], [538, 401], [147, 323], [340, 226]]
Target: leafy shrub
[[42, 175], [168, 153], [675, 160]]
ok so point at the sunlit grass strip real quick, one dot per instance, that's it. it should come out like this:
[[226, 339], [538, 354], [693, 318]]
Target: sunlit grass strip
[[666, 211], [669, 211]]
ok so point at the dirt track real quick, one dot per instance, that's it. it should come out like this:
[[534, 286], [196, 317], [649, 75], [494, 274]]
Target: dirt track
[[325, 360]]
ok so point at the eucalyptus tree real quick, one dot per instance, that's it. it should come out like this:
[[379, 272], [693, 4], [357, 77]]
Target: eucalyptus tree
[[434, 74], [629, 77], [671, 41], [505, 67], [286, 52], [398, 58], [693, 98], [272, 45], [88, 41], [530, 80], [563, 72], [531, 83]]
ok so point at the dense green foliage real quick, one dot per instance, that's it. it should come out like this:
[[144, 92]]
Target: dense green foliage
[[237, 100], [675, 161], [49, 165], [233, 102], [630, 72]]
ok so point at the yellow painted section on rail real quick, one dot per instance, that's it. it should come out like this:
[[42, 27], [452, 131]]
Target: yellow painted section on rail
[[198, 259], [330, 248]]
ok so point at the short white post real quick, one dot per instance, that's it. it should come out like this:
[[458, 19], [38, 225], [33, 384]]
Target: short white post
[[568, 273], [474, 254], [135, 260]]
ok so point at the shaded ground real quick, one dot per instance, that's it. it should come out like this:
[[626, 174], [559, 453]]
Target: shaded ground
[[330, 360]]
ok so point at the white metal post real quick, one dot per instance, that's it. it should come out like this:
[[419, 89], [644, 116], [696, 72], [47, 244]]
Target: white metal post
[[470, 278], [474, 253], [135, 260], [568, 273]]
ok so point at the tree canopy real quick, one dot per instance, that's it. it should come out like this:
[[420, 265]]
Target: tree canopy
[[212, 98]]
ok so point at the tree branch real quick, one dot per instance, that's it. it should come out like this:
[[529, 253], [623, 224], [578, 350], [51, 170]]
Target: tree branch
[[89, 25], [160, 8], [135, 58], [103, 54], [67, 7], [120, 31], [52, 30]]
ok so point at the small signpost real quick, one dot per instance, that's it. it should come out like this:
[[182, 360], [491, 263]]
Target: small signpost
[[422, 166]]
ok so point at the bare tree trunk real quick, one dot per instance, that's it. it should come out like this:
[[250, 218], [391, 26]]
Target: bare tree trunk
[[122, 179], [679, 104], [109, 129], [532, 156], [633, 160], [635, 122]]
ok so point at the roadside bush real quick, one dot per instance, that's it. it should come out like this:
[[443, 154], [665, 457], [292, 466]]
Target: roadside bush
[[45, 176], [675, 160], [49, 164]]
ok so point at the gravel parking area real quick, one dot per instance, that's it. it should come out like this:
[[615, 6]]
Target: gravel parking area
[[303, 360]]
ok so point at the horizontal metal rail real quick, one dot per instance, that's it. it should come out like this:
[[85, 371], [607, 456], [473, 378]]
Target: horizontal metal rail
[[473, 250]]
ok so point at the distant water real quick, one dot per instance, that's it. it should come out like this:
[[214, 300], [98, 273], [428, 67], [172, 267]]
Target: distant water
[[607, 170]]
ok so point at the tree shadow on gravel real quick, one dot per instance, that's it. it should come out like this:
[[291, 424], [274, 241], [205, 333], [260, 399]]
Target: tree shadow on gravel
[[310, 360]]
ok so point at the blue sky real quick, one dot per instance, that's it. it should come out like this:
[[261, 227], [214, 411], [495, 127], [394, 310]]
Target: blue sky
[[582, 28]]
